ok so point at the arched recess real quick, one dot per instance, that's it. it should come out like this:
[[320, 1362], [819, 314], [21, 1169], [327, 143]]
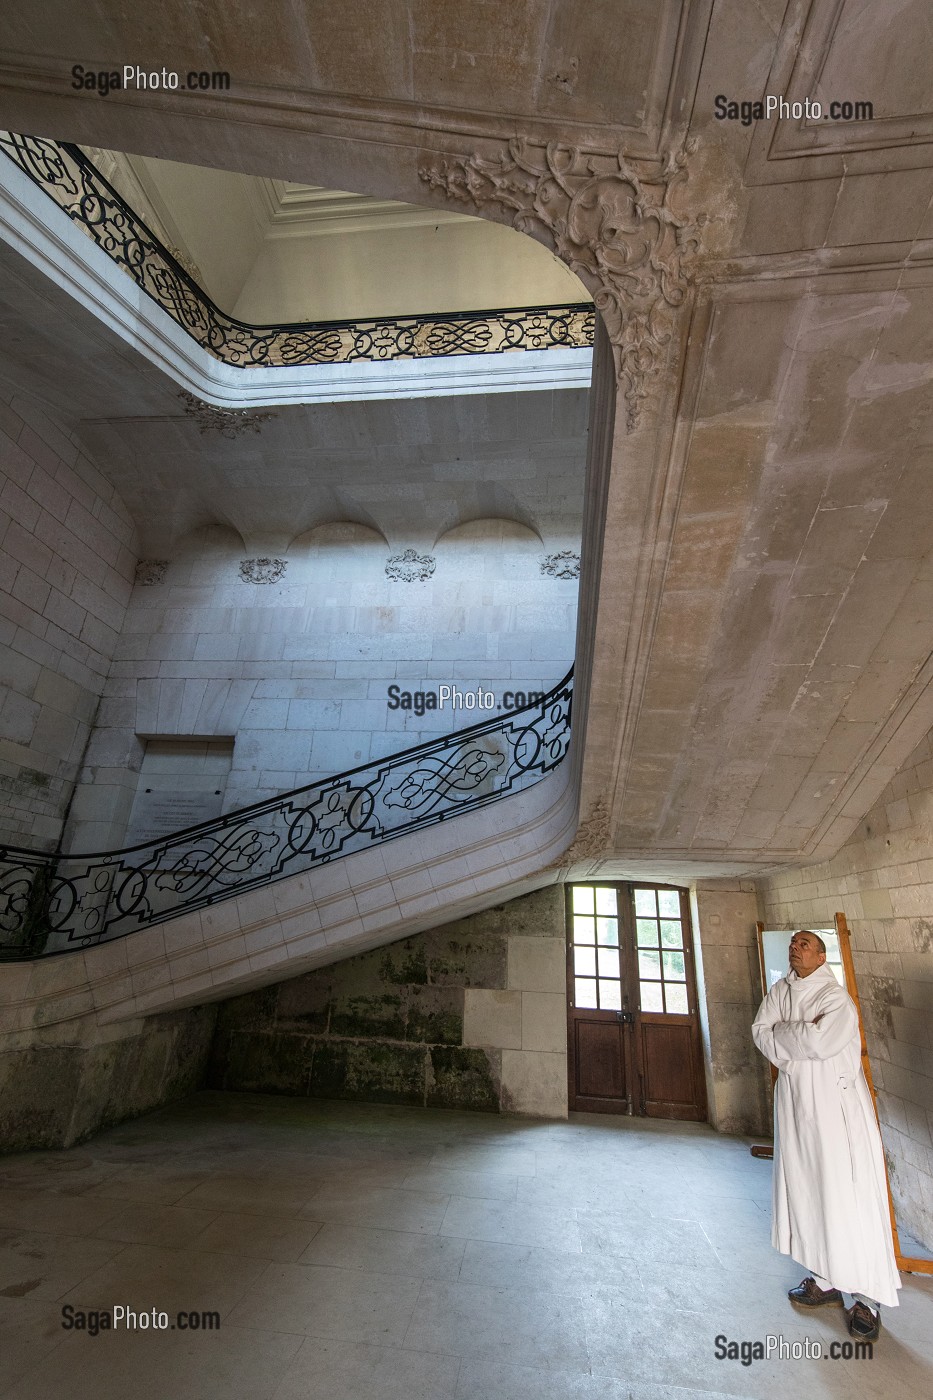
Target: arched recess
[[204, 553], [339, 554], [326, 508], [489, 548]]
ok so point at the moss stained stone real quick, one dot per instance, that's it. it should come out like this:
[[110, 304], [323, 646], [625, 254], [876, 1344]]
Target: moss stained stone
[[56, 1095], [268, 1063], [370, 1070], [435, 1015], [305, 1003], [380, 1016], [385, 1025], [405, 962], [466, 958], [463, 1078]]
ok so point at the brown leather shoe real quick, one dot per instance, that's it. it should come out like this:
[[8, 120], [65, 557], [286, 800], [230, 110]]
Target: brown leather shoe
[[863, 1324], [810, 1295]]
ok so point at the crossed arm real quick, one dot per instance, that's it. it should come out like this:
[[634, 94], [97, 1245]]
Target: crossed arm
[[782, 1042]]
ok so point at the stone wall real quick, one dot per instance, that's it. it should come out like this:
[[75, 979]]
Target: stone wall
[[66, 569], [471, 1015], [293, 658], [60, 1084], [882, 880], [729, 986]]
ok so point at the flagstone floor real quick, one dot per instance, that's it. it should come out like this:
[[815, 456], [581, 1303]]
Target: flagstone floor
[[357, 1252]]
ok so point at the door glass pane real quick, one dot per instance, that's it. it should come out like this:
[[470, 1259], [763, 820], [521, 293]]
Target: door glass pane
[[607, 932], [584, 962], [606, 902], [583, 899], [645, 903], [676, 998], [584, 930], [674, 967], [584, 993], [647, 933], [649, 964], [608, 962], [610, 995], [650, 993], [669, 904], [672, 934]]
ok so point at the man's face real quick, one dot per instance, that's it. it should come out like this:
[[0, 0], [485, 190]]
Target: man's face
[[805, 954]]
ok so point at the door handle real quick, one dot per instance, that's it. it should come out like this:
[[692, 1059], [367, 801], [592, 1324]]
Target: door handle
[[626, 1017]]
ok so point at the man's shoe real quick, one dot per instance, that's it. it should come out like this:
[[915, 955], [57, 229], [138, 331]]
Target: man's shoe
[[810, 1295], [863, 1324]]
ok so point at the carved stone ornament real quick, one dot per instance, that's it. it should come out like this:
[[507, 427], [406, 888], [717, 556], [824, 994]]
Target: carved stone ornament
[[592, 839], [150, 571], [262, 570], [611, 223], [566, 564], [410, 567], [229, 422]]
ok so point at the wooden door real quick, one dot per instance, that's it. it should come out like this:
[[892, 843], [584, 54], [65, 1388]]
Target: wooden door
[[599, 1049], [667, 1047], [633, 1024]]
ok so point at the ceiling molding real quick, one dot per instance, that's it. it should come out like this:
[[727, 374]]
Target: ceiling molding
[[788, 149], [287, 210], [670, 91]]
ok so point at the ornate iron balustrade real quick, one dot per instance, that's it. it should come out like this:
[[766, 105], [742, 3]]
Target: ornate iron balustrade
[[65, 173], [54, 904]]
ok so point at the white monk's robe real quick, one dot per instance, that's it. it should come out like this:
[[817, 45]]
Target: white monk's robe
[[830, 1203]]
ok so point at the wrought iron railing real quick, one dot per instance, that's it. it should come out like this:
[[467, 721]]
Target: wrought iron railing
[[66, 174], [54, 904]]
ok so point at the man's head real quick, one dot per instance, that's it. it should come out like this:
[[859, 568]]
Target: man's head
[[807, 952]]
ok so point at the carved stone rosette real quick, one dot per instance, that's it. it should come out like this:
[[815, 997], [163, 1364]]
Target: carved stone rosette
[[410, 567], [229, 422], [262, 570], [150, 572], [611, 221], [566, 564]]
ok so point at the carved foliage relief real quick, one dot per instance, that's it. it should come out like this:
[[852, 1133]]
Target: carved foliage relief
[[262, 570], [565, 565], [410, 567], [613, 224]]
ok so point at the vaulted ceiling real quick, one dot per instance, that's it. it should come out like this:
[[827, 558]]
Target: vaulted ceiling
[[757, 634]]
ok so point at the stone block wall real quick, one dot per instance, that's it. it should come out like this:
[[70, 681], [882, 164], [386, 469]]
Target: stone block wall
[[882, 880], [66, 568], [471, 1015], [729, 984], [295, 665], [60, 1084]]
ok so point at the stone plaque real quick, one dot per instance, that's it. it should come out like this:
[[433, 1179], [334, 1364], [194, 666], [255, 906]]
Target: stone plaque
[[157, 814]]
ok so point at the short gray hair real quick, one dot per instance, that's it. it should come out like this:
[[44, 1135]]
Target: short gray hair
[[817, 937]]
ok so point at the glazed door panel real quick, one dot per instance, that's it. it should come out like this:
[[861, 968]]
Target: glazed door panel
[[633, 1025]]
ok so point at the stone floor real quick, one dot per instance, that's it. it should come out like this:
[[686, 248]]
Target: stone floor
[[372, 1253]]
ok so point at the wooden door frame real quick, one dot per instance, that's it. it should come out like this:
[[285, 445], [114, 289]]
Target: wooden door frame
[[634, 1079], [581, 1103]]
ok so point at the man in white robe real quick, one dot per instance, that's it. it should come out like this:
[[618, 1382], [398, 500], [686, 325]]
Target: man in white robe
[[830, 1203]]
